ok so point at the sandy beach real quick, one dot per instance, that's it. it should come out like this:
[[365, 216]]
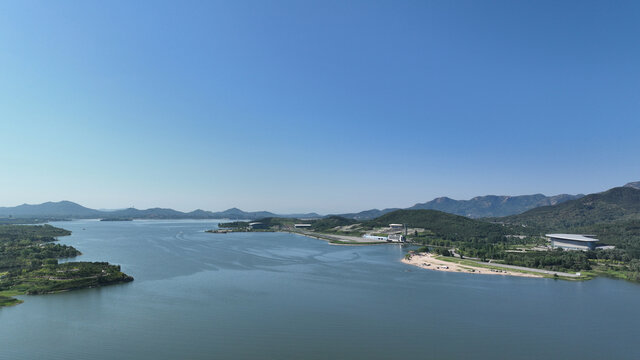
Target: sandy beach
[[429, 261]]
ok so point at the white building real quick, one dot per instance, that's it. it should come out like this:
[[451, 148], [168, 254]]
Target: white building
[[257, 225], [302, 226], [375, 237], [573, 241]]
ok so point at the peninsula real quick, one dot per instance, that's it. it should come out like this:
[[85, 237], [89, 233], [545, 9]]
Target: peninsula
[[333, 229], [29, 264]]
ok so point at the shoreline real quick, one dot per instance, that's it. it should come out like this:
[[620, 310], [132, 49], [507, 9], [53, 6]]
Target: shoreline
[[338, 239], [330, 238], [430, 262]]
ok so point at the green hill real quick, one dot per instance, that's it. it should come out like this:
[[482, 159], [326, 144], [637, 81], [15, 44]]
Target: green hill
[[617, 204], [624, 234], [331, 222], [613, 216], [441, 224]]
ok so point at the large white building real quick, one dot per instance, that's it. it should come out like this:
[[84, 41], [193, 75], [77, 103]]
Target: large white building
[[573, 241]]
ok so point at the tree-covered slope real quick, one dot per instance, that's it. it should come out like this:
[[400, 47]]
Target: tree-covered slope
[[617, 204], [29, 264], [493, 205], [331, 222], [478, 207], [447, 226], [367, 214]]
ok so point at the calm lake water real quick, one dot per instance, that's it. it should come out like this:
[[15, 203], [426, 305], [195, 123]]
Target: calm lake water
[[284, 296]]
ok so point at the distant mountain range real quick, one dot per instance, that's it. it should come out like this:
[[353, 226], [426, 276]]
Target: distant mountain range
[[62, 209], [478, 207], [489, 206], [71, 210]]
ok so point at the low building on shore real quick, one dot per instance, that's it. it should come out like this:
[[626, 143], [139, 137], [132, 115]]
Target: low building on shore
[[302, 226], [375, 237], [573, 241], [396, 238]]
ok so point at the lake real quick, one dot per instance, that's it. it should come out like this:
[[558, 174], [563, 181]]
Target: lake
[[283, 296]]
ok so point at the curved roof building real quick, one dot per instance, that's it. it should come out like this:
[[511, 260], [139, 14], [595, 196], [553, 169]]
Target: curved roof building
[[573, 241]]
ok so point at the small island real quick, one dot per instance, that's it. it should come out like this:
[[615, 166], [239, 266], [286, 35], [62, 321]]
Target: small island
[[29, 264], [116, 219]]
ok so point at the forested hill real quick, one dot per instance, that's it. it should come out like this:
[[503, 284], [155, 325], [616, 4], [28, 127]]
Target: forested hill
[[493, 205], [60, 209], [617, 204], [29, 264], [478, 207], [448, 226]]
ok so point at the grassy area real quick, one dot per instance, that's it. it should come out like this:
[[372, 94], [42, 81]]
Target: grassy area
[[611, 269], [8, 301], [10, 293], [63, 277], [527, 246]]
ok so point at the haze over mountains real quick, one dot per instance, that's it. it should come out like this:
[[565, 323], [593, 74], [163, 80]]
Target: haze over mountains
[[71, 210], [488, 206]]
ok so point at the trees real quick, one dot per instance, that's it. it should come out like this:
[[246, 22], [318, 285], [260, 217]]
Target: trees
[[28, 263]]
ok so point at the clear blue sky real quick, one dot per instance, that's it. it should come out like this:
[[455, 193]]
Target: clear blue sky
[[326, 106]]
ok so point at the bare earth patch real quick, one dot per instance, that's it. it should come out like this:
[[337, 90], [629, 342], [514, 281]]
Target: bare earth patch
[[430, 262]]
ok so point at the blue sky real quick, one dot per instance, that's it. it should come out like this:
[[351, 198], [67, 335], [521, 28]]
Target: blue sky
[[327, 106]]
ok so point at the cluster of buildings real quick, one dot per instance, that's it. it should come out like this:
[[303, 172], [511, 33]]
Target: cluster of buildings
[[395, 234]]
